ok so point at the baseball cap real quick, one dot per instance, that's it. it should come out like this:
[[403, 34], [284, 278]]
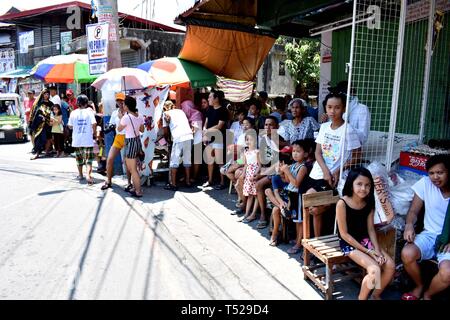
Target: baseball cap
[[69, 92], [120, 96]]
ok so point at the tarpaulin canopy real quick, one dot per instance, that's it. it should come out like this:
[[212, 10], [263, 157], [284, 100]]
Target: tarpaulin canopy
[[229, 53], [21, 72]]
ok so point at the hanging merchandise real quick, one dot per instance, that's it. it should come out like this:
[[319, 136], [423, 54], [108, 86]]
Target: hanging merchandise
[[235, 90], [150, 104]]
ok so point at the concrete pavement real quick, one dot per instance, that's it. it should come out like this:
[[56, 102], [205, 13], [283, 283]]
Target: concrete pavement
[[62, 239]]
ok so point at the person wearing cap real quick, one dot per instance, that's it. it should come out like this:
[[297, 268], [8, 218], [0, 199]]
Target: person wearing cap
[[54, 97], [118, 144], [82, 122], [71, 100], [28, 104]]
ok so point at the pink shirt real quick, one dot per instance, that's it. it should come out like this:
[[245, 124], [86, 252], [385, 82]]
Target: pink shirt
[[28, 106], [137, 122]]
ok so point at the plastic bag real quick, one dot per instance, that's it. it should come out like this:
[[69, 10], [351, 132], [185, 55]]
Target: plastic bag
[[401, 196], [384, 211]]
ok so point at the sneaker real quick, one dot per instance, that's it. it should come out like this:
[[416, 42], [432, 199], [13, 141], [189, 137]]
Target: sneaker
[[206, 184]]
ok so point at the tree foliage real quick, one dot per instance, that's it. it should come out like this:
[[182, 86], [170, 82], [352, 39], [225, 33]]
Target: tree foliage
[[303, 61]]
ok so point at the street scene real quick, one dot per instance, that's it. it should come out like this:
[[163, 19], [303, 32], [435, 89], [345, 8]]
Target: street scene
[[224, 150]]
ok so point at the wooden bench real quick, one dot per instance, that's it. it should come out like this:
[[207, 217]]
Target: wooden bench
[[325, 248]]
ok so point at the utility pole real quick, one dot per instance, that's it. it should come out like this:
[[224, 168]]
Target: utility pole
[[107, 12], [114, 59]]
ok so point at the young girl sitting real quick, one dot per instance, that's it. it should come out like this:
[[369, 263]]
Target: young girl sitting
[[252, 165], [358, 240], [294, 174], [57, 130]]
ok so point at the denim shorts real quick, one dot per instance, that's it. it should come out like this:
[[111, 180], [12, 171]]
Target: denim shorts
[[278, 183], [425, 242]]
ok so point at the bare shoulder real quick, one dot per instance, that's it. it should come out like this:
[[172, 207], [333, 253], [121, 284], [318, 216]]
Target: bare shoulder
[[340, 204]]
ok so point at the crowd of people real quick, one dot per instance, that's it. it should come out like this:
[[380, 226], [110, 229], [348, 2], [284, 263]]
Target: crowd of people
[[271, 155], [47, 117]]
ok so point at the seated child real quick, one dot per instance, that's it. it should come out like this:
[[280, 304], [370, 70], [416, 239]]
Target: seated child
[[286, 202], [358, 239]]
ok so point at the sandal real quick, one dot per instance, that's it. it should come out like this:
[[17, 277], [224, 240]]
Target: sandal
[[409, 296], [261, 224], [171, 187], [294, 250], [246, 220], [237, 212], [128, 188], [90, 181], [136, 195], [106, 186], [273, 243]]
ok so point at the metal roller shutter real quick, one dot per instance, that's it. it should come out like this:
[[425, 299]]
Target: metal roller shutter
[[130, 59]]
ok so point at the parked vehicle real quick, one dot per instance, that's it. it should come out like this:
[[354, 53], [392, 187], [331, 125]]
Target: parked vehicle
[[12, 119]]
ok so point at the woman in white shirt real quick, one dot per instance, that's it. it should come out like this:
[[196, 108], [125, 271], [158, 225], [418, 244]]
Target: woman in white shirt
[[133, 125]]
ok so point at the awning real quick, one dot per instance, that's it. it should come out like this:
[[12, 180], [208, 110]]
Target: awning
[[21, 72], [229, 53]]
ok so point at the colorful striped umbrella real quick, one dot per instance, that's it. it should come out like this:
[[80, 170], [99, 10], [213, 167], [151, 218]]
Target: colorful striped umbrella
[[178, 72], [64, 69]]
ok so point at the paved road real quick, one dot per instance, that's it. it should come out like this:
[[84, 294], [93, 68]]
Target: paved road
[[62, 239]]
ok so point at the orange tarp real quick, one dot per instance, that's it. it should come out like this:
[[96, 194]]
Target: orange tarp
[[229, 53]]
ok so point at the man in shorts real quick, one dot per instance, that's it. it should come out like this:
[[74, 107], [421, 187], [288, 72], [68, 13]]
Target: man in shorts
[[83, 125], [118, 144]]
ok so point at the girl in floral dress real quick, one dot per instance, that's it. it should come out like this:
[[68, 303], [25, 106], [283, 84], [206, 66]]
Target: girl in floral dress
[[252, 166]]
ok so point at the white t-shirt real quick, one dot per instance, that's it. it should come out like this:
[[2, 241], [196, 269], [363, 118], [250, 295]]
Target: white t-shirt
[[331, 142], [82, 120], [237, 129], [116, 120], [435, 205], [241, 140], [178, 125], [55, 99], [198, 132]]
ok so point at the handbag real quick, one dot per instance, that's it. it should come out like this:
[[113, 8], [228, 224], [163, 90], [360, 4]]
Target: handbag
[[141, 153]]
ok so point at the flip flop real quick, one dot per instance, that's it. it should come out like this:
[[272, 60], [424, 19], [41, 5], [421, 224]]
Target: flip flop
[[249, 220], [90, 181], [409, 296], [128, 188], [106, 186], [134, 194], [273, 243], [261, 225], [293, 250]]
